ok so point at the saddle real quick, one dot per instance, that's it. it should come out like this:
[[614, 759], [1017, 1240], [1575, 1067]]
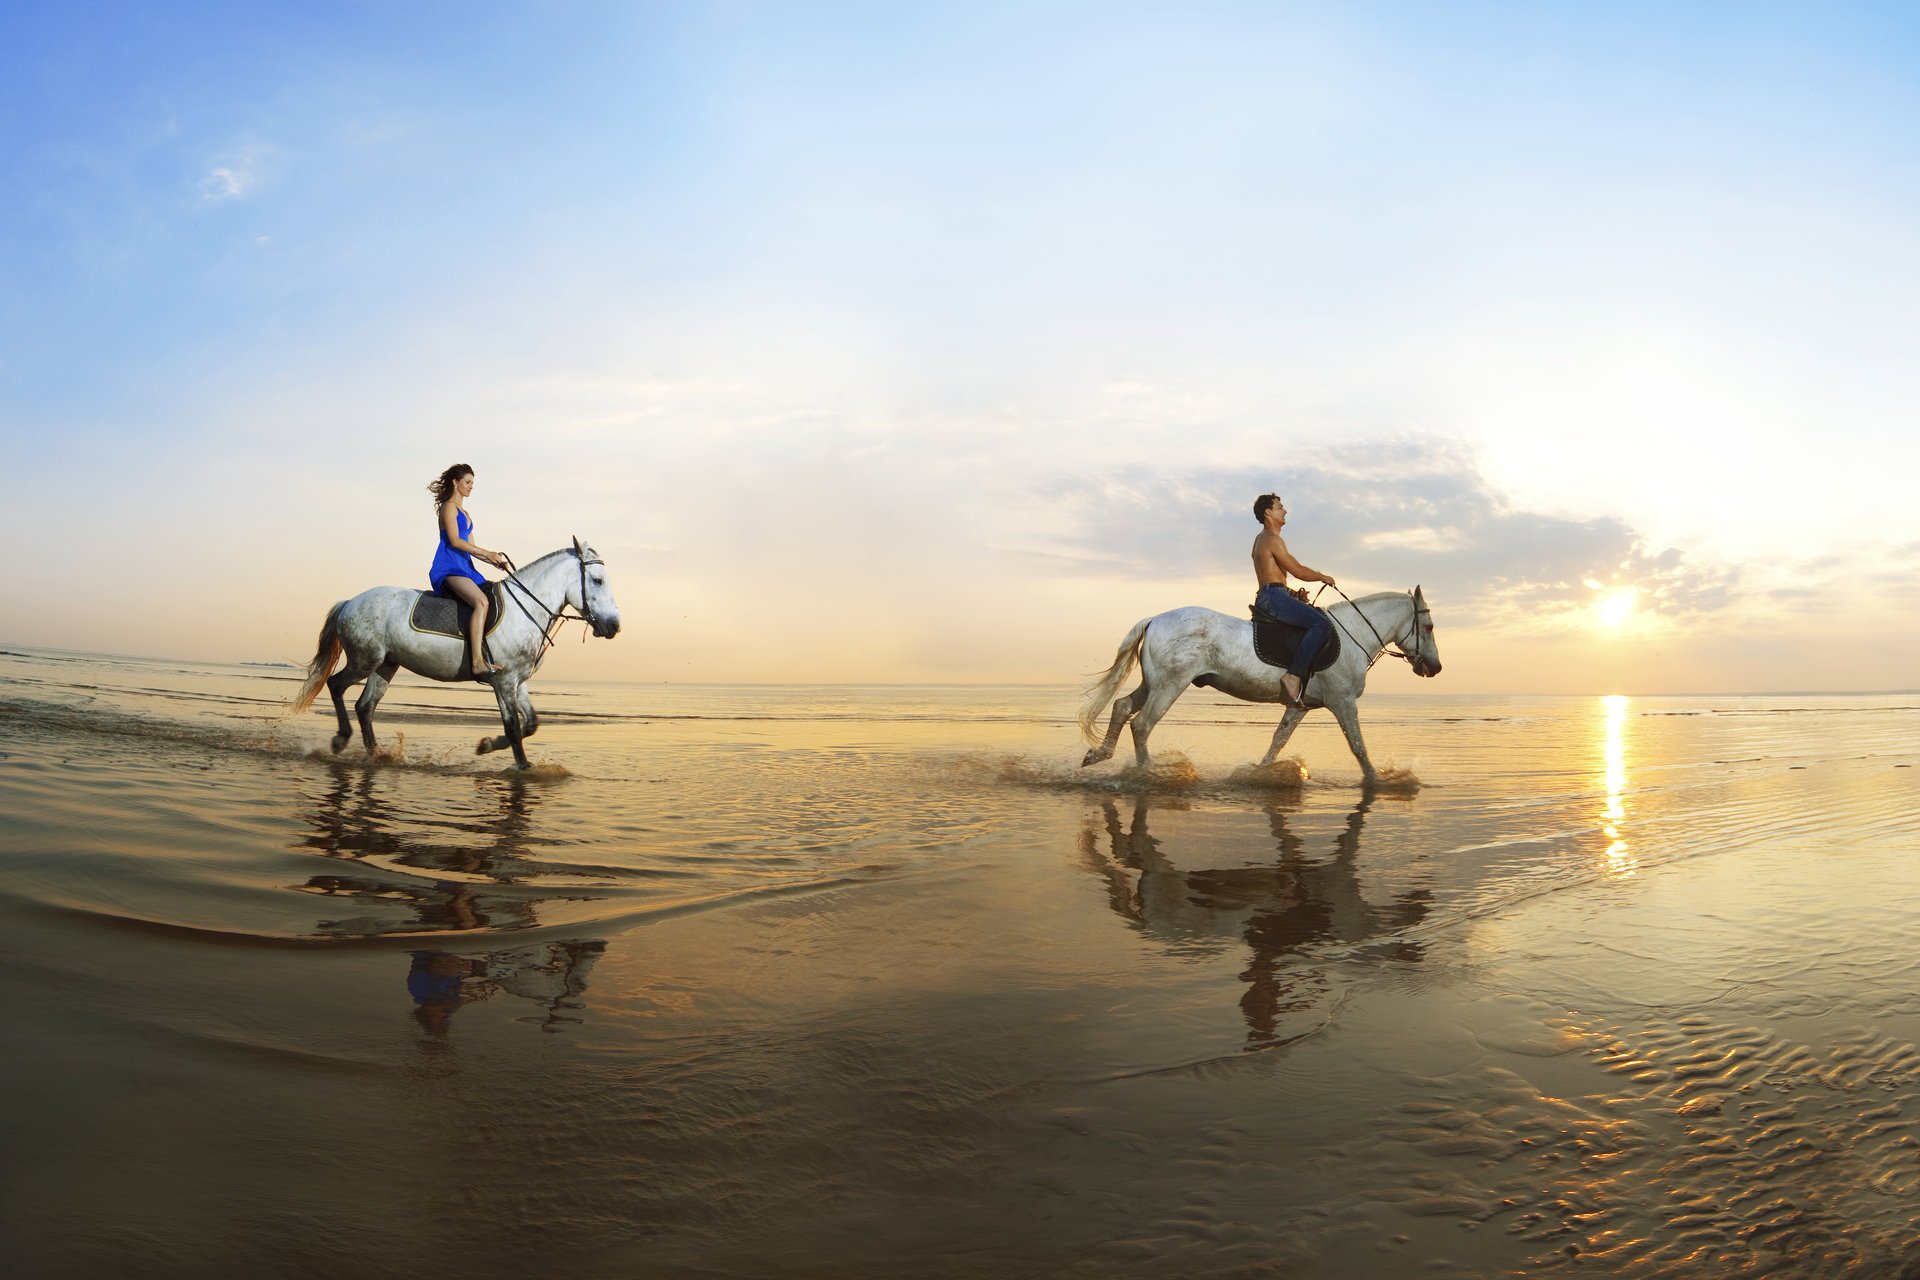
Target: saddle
[[446, 616], [1275, 642]]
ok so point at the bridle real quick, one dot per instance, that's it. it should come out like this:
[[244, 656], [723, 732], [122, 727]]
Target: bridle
[[1419, 610], [515, 589]]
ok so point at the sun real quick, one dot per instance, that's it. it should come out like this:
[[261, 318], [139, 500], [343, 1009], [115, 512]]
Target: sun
[[1616, 607]]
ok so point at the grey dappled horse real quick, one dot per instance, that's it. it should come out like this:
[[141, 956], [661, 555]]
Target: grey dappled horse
[[1199, 646], [375, 632]]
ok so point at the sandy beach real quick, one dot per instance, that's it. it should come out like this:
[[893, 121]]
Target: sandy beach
[[793, 981]]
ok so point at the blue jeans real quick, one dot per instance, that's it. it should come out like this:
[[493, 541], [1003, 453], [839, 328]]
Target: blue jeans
[[1287, 607]]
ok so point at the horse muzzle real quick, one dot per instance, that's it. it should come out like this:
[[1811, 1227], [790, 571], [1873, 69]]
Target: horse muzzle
[[1426, 670], [608, 627]]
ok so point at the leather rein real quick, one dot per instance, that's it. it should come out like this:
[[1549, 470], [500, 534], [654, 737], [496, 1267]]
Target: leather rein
[[1383, 650], [515, 588]]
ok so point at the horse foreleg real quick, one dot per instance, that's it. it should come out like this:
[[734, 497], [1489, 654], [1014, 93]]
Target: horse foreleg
[[1347, 712], [510, 700], [1122, 708], [527, 720], [376, 688], [1284, 730]]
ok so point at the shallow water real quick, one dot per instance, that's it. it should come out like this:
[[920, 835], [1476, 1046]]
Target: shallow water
[[827, 981]]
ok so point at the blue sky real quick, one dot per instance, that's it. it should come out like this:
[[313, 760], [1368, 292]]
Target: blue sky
[[898, 321]]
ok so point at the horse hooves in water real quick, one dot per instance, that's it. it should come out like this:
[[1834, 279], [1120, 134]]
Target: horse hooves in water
[[340, 741], [1094, 756], [485, 745]]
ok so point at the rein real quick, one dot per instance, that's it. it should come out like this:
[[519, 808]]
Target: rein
[[516, 588], [1383, 650]]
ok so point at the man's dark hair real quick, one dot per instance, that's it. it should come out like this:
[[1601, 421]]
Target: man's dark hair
[[1261, 503]]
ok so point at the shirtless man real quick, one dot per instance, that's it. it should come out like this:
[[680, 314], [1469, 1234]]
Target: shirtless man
[[1272, 562]]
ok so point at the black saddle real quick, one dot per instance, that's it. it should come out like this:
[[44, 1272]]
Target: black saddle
[[446, 616], [1276, 642]]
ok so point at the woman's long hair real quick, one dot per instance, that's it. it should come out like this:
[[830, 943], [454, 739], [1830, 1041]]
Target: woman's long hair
[[442, 488]]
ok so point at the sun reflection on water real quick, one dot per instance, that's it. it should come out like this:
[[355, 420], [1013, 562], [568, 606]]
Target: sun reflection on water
[[1620, 862]]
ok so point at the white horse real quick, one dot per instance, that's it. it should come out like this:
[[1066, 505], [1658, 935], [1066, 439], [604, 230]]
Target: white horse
[[375, 632], [1189, 646]]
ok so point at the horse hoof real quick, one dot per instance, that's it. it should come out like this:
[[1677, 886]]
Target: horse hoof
[[485, 745], [340, 742]]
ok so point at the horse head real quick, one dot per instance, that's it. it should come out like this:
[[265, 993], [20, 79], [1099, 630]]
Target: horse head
[[1422, 653], [596, 597]]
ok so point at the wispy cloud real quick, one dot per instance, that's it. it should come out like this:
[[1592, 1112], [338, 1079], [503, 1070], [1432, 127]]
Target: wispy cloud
[[237, 176]]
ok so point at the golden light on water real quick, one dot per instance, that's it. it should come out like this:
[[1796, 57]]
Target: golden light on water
[[1620, 861]]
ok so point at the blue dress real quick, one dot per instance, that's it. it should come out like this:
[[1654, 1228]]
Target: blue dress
[[448, 562]]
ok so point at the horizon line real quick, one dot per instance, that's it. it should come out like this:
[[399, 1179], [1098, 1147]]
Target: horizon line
[[7, 649]]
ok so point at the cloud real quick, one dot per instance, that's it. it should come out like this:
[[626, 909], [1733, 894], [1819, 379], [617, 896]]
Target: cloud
[[237, 177], [1386, 514]]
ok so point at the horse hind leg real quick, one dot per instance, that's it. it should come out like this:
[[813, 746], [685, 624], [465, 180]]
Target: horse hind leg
[[377, 681], [1122, 708], [337, 685], [1159, 701]]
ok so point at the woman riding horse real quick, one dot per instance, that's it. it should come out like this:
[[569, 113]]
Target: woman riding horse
[[452, 572]]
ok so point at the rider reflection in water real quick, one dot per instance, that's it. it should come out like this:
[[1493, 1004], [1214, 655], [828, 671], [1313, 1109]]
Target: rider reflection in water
[[553, 975], [1272, 562], [438, 984]]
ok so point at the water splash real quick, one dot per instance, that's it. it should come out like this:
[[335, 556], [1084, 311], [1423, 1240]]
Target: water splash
[[1289, 774], [542, 771], [1171, 772], [1397, 781]]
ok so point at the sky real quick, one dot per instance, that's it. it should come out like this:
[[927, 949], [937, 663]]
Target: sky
[[942, 342]]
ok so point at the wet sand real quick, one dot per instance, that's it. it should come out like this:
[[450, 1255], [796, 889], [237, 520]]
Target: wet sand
[[836, 982]]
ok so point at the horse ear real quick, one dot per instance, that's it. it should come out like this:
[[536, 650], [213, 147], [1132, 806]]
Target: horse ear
[[577, 548], [1418, 595]]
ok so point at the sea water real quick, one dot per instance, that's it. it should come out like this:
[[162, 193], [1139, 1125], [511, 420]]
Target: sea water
[[875, 980]]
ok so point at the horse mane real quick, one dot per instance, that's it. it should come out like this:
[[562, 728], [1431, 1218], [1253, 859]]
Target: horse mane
[[534, 564], [1377, 597], [1370, 598]]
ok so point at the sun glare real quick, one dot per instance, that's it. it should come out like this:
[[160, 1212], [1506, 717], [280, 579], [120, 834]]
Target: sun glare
[[1614, 608]]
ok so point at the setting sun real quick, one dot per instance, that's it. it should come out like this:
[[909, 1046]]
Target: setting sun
[[1614, 608]]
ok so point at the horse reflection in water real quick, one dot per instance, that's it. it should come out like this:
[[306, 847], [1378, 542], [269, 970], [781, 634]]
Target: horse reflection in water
[[1282, 911], [552, 975], [477, 875], [453, 877]]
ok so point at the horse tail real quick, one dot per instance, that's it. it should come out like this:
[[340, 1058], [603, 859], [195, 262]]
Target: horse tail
[[325, 654], [1100, 692]]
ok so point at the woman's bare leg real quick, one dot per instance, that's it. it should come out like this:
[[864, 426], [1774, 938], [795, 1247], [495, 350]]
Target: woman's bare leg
[[464, 589]]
